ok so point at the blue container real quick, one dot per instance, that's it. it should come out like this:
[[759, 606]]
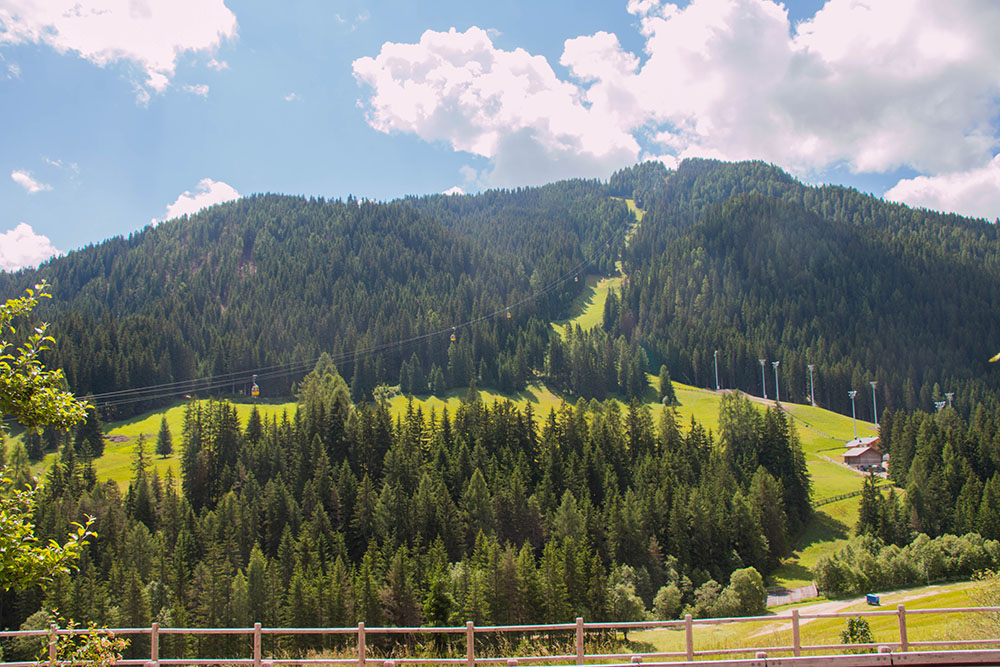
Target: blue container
[[872, 600]]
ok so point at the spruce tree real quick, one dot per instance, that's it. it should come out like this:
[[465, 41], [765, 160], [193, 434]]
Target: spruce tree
[[667, 394], [164, 441], [90, 436]]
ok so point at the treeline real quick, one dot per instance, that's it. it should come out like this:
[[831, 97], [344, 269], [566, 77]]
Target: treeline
[[950, 468], [339, 513], [272, 281], [743, 259], [866, 564]]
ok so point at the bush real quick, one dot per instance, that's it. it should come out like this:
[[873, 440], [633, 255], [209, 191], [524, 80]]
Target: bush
[[865, 564], [748, 586], [857, 632], [667, 604], [744, 596]]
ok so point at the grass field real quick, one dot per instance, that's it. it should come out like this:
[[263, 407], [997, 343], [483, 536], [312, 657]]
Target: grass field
[[635, 210], [920, 627], [541, 398], [588, 308], [116, 464]]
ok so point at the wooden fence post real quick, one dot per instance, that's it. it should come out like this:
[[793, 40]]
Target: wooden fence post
[[796, 640], [579, 640], [903, 642], [256, 644], [361, 644], [470, 644], [53, 644], [689, 636], [154, 643]]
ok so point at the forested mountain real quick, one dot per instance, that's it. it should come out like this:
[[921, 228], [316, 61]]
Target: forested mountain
[[337, 513], [739, 258], [271, 281], [743, 259]]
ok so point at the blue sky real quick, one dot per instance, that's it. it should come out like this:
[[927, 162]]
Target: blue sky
[[115, 114]]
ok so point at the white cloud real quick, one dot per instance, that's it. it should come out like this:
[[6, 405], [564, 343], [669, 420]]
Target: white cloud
[[21, 247], [147, 34], [873, 86], [217, 65], [13, 69], [508, 106], [360, 18], [470, 174], [292, 97], [60, 164], [207, 193], [198, 89], [642, 7], [24, 179], [975, 192]]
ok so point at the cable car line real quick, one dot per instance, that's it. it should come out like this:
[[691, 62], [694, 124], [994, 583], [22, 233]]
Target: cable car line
[[213, 382]]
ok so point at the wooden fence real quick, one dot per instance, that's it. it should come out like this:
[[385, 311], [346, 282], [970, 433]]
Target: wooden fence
[[761, 655]]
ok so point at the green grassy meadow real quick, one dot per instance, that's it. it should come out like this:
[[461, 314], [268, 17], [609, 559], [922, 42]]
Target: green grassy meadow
[[587, 309], [824, 631], [119, 448]]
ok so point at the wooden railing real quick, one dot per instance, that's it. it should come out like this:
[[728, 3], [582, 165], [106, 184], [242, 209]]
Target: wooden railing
[[579, 628]]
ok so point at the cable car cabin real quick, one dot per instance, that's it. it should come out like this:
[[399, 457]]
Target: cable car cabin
[[508, 314], [454, 336], [255, 390]]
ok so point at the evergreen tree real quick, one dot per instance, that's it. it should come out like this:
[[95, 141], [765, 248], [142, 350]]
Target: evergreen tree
[[164, 440], [89, 439], [666, 387]]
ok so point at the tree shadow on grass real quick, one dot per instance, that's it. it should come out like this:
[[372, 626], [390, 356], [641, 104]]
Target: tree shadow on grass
[[581, 301], [822, 528], [793, 571]]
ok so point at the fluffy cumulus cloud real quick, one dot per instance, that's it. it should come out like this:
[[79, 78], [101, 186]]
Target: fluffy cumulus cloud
[[25, 180], [975, 192], [873, 86], [509, 106], [207, 193], [150, 35], [21, 247]]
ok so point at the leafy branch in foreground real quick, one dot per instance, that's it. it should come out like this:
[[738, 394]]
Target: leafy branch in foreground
[[25, 562], [29, 392], [97, 647]]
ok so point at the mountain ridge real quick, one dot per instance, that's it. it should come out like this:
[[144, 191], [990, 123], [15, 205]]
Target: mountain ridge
[[197, 296]]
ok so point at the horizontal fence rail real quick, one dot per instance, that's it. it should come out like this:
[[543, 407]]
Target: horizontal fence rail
[[884, 653]]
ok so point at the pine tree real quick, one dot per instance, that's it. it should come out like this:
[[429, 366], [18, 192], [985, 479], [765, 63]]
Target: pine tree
[[90, 436], [164, 441], [870, 510]]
